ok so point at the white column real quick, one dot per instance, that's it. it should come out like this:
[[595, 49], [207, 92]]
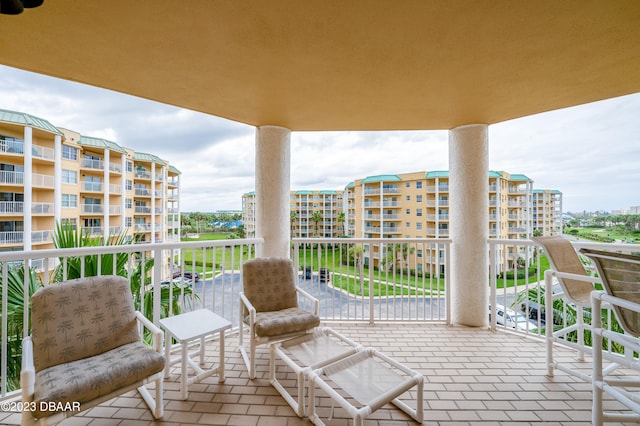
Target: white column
[[105, 191], [123, 199], [28, 187], [153, 202], [469, 206], [273, 171], [57, 179]]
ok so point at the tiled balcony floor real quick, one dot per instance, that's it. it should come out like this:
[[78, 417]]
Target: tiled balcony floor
[[472, 377]]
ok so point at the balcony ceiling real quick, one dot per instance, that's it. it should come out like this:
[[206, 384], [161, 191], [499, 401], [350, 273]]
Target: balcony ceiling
[[339, 65]]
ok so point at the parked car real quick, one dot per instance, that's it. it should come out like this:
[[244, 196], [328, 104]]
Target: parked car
[[511, 318], [190, 275], [178, 280]]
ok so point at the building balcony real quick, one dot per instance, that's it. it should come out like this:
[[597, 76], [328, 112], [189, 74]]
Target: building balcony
[[93, 164], [472, 375], [92, 209], [87, 186]]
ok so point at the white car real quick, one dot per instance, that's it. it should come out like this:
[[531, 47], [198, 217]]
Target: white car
[[512, 319]]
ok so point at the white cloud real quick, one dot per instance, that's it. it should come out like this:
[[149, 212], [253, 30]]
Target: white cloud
[[591, 153]]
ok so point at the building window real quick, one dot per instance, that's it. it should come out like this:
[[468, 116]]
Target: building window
[[408, 198], [418, 212], [129, 166], [419, 185], [408, 211], [418, 226], [127, 222], [407, 184], [407, 224], [128, 203], [69, 176], [129, 185], [69, 200], [69, 153], [418, 198]]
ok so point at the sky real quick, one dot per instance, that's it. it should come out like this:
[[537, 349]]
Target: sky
[[591, 153]]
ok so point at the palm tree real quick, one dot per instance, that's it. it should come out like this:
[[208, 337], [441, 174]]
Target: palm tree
[[293, 215], [316, 218], [15, 318], [135, 267], [340, 219]]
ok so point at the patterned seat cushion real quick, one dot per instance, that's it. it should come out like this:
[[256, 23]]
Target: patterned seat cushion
[[88, 378], [289, 320]]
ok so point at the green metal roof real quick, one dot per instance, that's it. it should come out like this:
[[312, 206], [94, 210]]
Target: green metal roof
[[250, 193], [350, 185], [328, 192], [519, 177], [494, 174], [27, 120], [381, 178], [174, 170], [304, 192], [437, 173], [551, 191], [143, 156], [100, 143]]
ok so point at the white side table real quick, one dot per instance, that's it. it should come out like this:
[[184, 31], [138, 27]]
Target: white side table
[[188, 327]]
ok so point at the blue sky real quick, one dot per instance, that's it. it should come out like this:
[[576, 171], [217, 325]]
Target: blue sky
[[591, 153]]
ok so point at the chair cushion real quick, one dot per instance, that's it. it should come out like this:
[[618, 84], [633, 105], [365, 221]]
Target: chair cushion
[[86, 379], [81, 318], [270, 283], [289, 320]]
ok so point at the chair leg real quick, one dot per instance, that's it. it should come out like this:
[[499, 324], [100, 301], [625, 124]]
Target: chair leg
[[156, 405]]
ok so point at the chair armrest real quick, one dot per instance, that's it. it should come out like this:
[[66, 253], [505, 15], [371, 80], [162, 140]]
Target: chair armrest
[[578, 277], [310, 298], [249, 307], [158, 335], [28, 373]]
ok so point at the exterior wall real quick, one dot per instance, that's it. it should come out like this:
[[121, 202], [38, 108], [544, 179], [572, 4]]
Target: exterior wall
[[91, 186]]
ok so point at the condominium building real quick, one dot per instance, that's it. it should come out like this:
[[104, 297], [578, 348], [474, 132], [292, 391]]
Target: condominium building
[[547, 212], [50, 175], [416, 205], [317, 213]]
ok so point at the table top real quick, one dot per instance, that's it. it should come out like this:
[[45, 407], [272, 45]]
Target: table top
[[194, 324], [319, 348]]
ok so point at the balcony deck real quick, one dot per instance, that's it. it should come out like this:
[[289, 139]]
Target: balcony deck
[[472, 377]]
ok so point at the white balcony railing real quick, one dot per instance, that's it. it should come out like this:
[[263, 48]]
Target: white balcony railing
[[42, 181], [91, 163], [92, 208], [229, 256], [11, 207], [11, 178], [43, 152], [355, 279], [39, 209]]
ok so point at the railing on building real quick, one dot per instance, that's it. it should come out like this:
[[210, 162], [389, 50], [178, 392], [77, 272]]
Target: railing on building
[[11, 207], [92, 163], [92, 208], [42, 152], [42, 181], [11, 178], [42, 208]]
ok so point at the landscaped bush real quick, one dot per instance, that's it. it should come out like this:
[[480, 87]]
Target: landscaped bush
[[522, 273]]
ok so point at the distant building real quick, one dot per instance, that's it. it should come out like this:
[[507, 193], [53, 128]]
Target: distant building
[[50, 175], [416, 205]]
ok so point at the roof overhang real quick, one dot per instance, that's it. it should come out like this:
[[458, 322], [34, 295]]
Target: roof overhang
[[339, 65]]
